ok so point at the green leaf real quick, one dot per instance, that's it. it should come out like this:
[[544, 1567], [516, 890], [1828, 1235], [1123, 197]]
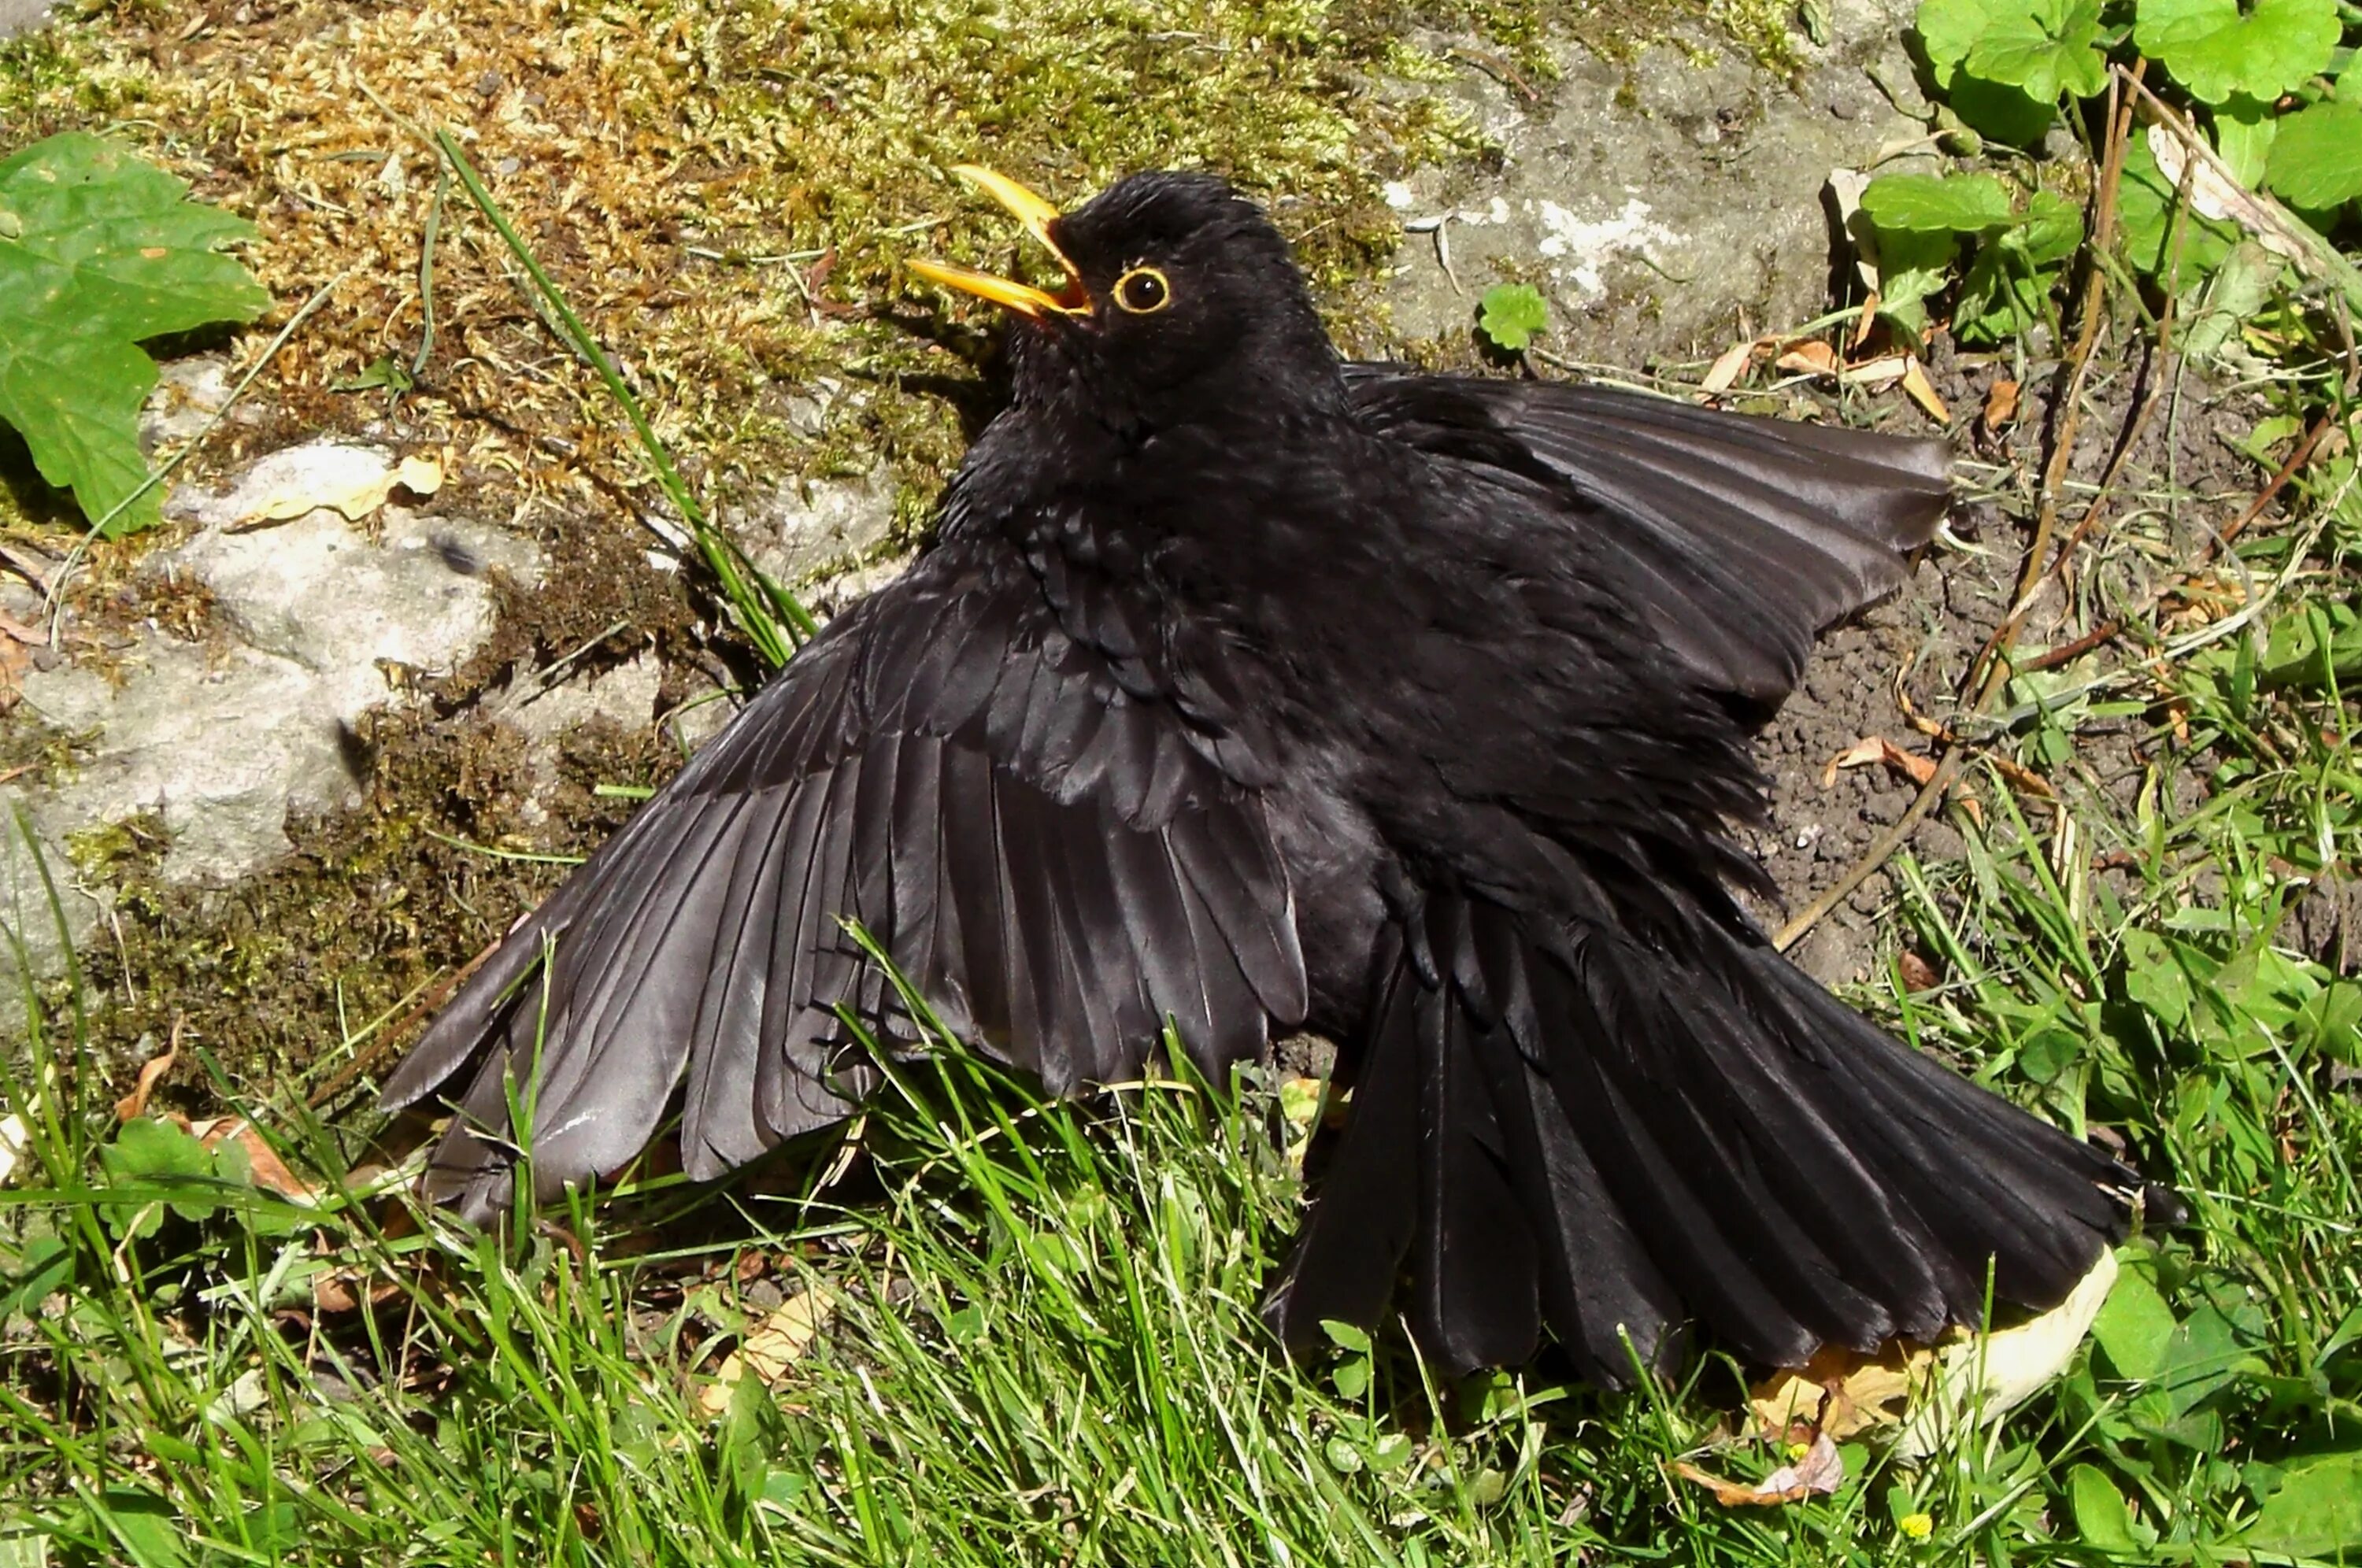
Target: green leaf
[[2004, 113], [2316, 157], [2045, 48], [145, 1524], [2215, 49], [2204, 1354], [1922, 204], [45, 1266], [1912, 266], [2147, 204], [1513, 313], [2100, 1516], [2317, 1512], [2243, 131], [2153, 978], [2050, 231], [1948, 30], [2240, 287], [151, 1153], [100, 250], [1345, 1336], [2134, 1326]]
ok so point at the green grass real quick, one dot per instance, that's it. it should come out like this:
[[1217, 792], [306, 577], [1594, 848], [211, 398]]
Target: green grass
[[1040, 1340]]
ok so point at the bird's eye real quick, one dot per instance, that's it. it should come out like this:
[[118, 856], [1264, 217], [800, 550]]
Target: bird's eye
[[1144, 291]]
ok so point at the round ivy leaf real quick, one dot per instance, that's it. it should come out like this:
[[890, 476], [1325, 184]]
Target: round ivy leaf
[[2316, 157], [1948, 30], [2146, 207], [1942, 203], [2047, 48], [2004, 113], [2215, 50]]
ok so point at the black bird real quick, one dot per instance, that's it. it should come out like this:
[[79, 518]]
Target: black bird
[[1252, 689]]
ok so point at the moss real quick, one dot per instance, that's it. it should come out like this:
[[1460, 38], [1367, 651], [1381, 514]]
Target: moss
[[377, 903], [726, 189]]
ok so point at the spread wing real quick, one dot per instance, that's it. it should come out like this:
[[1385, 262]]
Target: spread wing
[[1057, 855], [1739, 538]]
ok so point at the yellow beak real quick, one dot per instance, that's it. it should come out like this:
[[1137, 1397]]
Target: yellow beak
[[1036, 215]]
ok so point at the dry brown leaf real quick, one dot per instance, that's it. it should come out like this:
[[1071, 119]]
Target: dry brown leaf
[[1840, 1392], [2001, 403], [1811, 358], [1877, 375], [1918, 975], [1865, 323], [1923, 393], [1725, 371], [269, 1172], [1820, 1469], [771, 1348], [1872, 750], [133, 1105]]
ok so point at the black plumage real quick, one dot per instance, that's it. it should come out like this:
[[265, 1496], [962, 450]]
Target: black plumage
[[1252, 689]]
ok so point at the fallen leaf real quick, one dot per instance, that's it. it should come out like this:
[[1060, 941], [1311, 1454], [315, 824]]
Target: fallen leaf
[[2001, 403], [1725, 371], [1918, 975], [771, 1348], [1989, 1375], [269, 1172], [1865, 323], [349, 480], [420, 474], [1819, 1470], [1923, 393], [2213, 194], [1811, 358], [134, 1106], [1878, 374], [1871, 750], [1840, 1393]]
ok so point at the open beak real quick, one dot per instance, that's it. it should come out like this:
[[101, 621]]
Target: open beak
[[1024, 298]]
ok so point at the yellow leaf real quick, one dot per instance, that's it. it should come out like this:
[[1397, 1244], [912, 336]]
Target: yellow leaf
[[771, 1347]]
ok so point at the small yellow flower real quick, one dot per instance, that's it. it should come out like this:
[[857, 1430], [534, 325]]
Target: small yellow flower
[[1918, 1527], [1796, 1451]]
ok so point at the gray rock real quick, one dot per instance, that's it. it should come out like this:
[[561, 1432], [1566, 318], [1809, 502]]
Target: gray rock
[[189, 392], [318, 620], [23, 16], [805, 529], [1657, 220]]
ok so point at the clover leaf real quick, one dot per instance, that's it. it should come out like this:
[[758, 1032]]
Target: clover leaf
[[2214, 48], [1513, 313], [99, 251]]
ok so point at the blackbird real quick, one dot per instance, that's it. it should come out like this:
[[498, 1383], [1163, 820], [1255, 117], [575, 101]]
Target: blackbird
[[1247, 689]]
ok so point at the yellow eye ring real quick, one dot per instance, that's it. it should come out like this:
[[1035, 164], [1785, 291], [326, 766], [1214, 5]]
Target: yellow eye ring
[[1143, 291]]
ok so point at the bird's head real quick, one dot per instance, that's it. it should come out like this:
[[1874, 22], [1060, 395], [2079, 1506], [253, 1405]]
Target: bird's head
[[1180, 302]]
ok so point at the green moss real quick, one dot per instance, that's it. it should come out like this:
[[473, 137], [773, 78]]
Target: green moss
[[727, 190]]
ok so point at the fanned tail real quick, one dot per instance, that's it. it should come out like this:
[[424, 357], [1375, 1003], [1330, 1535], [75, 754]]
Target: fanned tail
[[1611, 1139]]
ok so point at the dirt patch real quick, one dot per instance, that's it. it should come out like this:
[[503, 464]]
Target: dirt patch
[[2180, 476]]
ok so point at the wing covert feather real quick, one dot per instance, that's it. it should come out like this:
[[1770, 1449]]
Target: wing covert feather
[[1055, 867]]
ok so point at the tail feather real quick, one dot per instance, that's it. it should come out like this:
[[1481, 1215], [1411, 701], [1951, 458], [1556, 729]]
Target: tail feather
[[1614, 1136]]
